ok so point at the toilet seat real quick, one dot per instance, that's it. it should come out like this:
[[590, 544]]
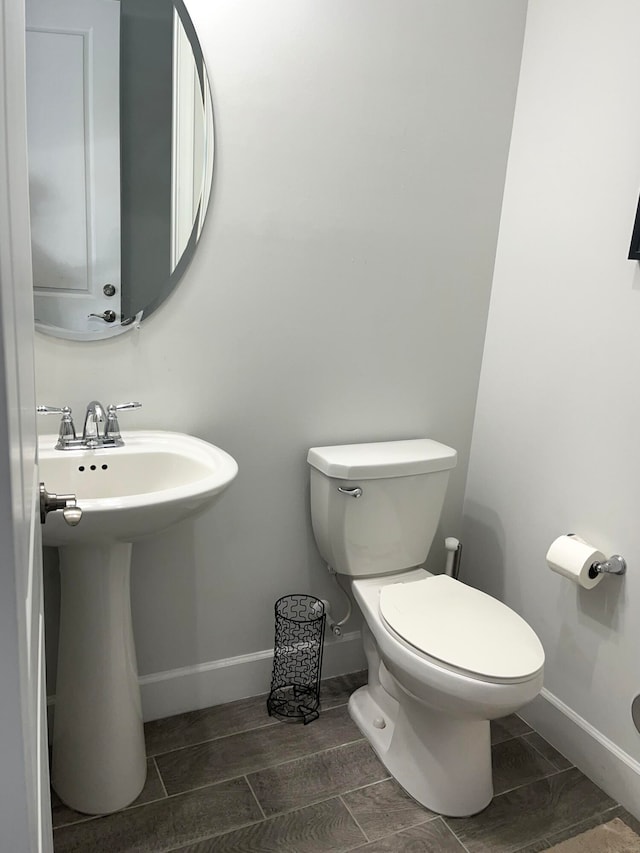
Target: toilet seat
[[462, 628]]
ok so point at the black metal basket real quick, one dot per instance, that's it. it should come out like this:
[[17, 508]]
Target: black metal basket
[[297, 658]]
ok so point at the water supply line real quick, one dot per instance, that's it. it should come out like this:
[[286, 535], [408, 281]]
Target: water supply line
[[454, 555], [335, 626]]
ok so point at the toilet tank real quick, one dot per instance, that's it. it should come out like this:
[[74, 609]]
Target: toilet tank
[[375, 507]]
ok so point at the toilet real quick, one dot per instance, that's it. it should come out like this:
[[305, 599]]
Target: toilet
[[444, 658]]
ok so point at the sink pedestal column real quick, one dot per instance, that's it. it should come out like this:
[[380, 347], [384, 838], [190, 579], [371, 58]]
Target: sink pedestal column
[[99, 761]]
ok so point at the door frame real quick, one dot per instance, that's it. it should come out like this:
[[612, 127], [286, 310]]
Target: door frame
[[25, 818]]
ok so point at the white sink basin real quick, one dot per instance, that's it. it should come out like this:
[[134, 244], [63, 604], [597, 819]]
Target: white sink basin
[[129, 492], [125, 493]]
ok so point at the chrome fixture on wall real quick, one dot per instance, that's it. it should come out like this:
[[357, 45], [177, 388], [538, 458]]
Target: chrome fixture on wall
[[615, 565]]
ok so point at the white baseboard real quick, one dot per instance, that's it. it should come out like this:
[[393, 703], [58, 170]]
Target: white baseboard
[[202, 685], [216, 682], [599, 758]]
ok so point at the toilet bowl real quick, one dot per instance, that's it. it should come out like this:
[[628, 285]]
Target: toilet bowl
[[434, 735], [444, 658]]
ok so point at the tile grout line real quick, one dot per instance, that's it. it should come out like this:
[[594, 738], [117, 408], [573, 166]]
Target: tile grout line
[[164, 787], [179, 794], [554, 772], [367, 785], [355, 820], [510, 738], [153, 802], [539, 751], [242, 776], [216, 835], [432, 819], [272, 766], [459, 840], [209, 837], [83, 819], [255, 796], [325, 797], [287, 811], [267, 725]]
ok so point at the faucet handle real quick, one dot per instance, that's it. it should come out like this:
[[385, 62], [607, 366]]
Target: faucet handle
[[112, 427], [119, 407], [67, 430], [52, 410]]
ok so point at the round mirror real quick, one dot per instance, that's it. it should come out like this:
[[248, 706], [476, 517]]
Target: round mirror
[[120, 140]]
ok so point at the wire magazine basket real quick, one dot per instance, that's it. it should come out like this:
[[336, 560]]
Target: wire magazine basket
[[297, 658]]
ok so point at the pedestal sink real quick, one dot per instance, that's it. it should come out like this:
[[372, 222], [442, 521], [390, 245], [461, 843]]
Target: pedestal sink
[[126, 493]]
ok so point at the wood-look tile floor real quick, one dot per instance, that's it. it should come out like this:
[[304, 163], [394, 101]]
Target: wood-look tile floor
[[230, 779]]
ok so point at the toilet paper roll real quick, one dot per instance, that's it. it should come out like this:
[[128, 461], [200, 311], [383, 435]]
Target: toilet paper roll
[[572, 557]]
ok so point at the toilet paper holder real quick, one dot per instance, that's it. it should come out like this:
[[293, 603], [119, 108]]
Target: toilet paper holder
[[615, 565]]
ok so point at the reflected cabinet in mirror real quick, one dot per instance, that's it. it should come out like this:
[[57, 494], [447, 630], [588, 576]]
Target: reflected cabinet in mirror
[[120, 138]]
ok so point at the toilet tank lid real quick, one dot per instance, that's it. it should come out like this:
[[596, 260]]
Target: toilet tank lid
[[382, 459]]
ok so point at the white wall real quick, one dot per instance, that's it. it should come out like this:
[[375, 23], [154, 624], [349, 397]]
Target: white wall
[[555, 444], [339, 293]]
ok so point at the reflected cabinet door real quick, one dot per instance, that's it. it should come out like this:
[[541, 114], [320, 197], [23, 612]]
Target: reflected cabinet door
[[74, 157]]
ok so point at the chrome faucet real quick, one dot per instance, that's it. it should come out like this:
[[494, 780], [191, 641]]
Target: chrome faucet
[[94, 417], [101, 428]]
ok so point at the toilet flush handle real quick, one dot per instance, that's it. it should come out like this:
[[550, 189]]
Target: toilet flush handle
[[353, 493]]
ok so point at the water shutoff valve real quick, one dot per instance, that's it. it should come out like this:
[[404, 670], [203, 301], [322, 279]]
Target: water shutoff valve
[[331, 623]]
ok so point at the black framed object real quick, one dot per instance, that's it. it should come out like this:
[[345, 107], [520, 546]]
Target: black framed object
[[634, 248]]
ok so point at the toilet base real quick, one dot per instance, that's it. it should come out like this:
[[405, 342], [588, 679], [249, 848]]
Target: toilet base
[[442, 762]]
